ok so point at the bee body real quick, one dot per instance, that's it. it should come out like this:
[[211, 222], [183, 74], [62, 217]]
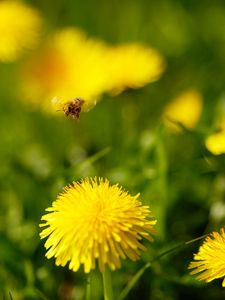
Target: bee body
[[73, 108]]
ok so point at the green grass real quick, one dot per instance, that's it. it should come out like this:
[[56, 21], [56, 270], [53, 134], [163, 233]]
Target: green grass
[[122, 138]]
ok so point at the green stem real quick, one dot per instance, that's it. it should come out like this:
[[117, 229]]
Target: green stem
[[40, 294], [107, 283], [91, 160], [88, 289], [162, 165], [133, 281], [137, 276]]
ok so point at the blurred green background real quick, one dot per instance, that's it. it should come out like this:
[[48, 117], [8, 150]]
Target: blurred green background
[[123, 139]]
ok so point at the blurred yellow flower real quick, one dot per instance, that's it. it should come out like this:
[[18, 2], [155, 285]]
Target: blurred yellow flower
[[185, 109], [133, 66], [69, 66], [215, 143], [95, 222], [210, 260], [20, 27]]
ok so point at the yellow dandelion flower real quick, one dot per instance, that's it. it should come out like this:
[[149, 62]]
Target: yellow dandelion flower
[[133, 66], [209, 261], [69, 66], [215, 143], [93, 221], [185, 109], [20, 27]]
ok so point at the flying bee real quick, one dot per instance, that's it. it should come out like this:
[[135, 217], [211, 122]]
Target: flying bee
[[72, 108]]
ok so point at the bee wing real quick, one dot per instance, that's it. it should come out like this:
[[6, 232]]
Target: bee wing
[[56, 100], [57, 104], [88, 106]]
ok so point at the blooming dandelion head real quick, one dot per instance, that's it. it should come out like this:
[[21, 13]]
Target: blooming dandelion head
[[210, 260], [215, 143], [133, 66], [93, 222], [70, 65], [185, 109], [20, 27]]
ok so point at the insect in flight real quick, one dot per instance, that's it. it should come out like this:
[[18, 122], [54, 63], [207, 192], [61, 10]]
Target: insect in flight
[[72, 108]]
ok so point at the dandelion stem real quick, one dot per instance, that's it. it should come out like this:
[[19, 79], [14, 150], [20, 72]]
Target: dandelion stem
[[137, 276], [91, 160], [162, 165], [133, 281], [88, 288], [107, 283]]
